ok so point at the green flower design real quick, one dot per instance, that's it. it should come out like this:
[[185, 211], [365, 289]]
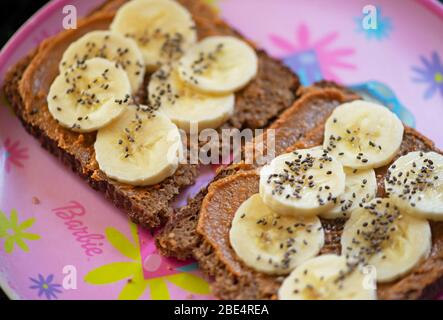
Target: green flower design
[[14, 232], [132, 272]]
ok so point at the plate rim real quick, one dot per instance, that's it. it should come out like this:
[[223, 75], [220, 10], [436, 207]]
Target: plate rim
[[45, 12]]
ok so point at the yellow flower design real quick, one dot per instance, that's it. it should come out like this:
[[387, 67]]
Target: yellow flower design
[[132, 272], [14, 233]]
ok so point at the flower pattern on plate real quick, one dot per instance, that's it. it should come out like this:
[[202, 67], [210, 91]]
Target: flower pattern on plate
[[313, 60], [431, 74], [132, 271], [45, 286], [14, 154], [14, 232]]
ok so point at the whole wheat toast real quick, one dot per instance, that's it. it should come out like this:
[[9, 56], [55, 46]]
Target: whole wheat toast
[[26, 86], [179, 238], [185, 236]]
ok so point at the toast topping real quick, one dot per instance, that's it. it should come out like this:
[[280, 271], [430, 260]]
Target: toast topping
[[141, 147], [415, 182], [219, 64], [186, 106], [321, 278], [199, 90], [381, 236], [302, 183], [89, 95], [107, 45], [272, 243], [363, 135], [360, 188], [163, 29]]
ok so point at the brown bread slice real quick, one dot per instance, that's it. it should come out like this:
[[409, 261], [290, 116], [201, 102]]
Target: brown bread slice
[[233, 280], [26, 86], [179, 238]]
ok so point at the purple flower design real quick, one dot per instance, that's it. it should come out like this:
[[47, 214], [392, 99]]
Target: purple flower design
[[430, 73], [46, 287]]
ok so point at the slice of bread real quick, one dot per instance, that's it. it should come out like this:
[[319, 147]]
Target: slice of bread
[[190, 231], [26, 86], [179, 238]]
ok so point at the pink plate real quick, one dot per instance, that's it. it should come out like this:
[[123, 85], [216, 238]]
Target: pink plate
[[59, 239]]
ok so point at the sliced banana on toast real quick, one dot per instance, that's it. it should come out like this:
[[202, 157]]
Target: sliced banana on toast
[[381, 236], [415, 182], [360, 187], [363, 135], [304, 182], [107, 45], [328, 277], [272, 243], [219, 64], [142, 147], [186, 106], [163, 29], [90, 95]]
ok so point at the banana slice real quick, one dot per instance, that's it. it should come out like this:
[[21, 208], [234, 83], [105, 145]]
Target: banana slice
[[415, 182], [363, 135], [360, 187], [163, 29], [142, 147], [379, 235], [304, 182], [328, 277], [219, 64], [184, 105], [89, 96], [271, 243], [108, 45]]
